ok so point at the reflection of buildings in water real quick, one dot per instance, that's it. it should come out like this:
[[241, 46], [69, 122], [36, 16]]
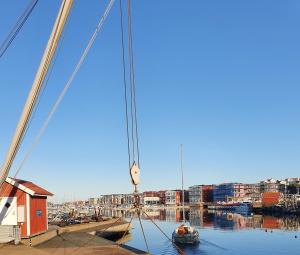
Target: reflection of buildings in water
[[235, 221], [288, 223], [270, 222], [200, 217], [222, 221], [216, 219], [156, 214], [291, 223], [255, 221], [196, 217], [173, 214]]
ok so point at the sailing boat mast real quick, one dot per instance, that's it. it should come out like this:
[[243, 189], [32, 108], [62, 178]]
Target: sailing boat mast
[[36, 88], [183, 211]]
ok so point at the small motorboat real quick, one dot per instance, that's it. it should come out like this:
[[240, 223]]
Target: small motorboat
[[185, 235]]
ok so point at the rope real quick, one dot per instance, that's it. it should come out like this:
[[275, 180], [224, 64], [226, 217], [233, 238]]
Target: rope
[[126, 231], [67, 86], [33, 101], [17, 27], [180, 251], [145, 240], [45, 84], [132, 138], [132, 81], [125, 83], [41, 95]]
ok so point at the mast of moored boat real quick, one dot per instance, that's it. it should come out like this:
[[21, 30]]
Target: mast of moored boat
[[182, 187], [36, 88]]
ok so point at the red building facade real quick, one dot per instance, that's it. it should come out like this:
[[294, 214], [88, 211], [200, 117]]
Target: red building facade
[[24, 204]]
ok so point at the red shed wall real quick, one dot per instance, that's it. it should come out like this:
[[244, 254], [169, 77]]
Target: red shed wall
[[9, 190], [38, 215]]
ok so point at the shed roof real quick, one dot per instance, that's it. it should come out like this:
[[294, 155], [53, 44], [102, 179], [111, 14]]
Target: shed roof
[[28, 187]]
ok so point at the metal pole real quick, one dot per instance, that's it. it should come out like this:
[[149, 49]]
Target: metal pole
[[183, 211], [36, 88]]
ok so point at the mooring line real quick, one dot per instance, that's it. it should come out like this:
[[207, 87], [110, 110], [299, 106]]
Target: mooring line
[[180, 251]]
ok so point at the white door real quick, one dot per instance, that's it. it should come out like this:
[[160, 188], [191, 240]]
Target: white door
[[8, 211]]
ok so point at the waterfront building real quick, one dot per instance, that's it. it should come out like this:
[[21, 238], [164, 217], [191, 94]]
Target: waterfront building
[[229, 192], [23, 206], [293, 186], [151, 198], [117, 199], [271, 198], [107, 200], [128, 199], [93, 201], [200, 194], [154, 197], [151, 201], [293, 181], [252, 193], [162, 196], [272, 185], [173, 197]]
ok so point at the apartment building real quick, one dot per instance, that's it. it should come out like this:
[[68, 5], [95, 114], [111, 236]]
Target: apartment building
[[200, 194], [229, 192], [173, 197]]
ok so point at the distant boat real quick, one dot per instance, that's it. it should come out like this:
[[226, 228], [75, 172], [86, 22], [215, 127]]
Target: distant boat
[[184, 234]]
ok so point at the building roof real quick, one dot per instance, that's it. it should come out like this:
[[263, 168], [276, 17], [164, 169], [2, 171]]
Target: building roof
[[28, 187]]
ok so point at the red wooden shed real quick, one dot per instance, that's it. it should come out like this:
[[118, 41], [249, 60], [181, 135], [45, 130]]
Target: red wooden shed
[[24, 204]]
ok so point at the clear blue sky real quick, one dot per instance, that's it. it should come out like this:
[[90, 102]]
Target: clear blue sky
[[221, 77]]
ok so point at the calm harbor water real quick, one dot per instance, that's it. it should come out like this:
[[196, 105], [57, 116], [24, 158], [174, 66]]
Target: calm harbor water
[[221, 233]]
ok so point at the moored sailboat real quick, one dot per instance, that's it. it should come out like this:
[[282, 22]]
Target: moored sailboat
[[184, 234]]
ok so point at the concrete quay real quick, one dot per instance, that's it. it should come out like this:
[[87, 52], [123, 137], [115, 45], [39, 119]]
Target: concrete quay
[[76, 239]]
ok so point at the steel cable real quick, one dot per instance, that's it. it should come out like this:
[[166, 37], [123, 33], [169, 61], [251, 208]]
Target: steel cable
[[17, 27], [36, 94], [66, 87], [125, 82], [132, 81]]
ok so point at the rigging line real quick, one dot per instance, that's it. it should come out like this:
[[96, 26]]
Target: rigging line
[[44, 71], [180, 251], [119, 242], [94, 236], [125, 82], [36, 93], [67, 86], [26, 129], [52, 64], [131, 89], [115, 222], [214, 245], [132, 78], [17, 27], [142, 228]]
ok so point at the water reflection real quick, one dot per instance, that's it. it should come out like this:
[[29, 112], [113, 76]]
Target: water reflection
[[221, 233], [217, 219]]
